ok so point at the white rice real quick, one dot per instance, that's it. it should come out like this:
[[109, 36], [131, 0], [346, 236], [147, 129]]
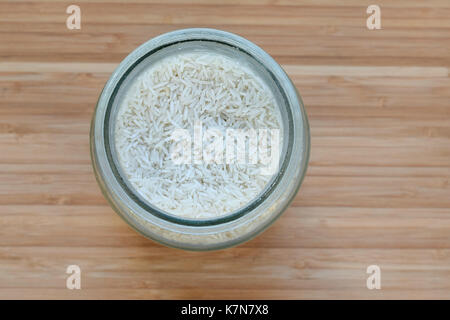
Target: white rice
[[177, 92]]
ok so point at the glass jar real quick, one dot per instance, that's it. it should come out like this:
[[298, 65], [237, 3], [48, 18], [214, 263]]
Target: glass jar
[[230, 229]]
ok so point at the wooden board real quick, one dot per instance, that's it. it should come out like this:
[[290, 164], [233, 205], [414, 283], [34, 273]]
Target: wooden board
[[377, 190]]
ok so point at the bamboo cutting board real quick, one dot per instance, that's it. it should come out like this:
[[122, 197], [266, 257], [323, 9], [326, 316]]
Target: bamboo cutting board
[[377, 190]]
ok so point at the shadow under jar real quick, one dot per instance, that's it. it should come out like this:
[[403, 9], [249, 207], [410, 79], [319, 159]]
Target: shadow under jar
[[229, 229]]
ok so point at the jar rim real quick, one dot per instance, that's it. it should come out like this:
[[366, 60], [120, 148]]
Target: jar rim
[[244, 46]]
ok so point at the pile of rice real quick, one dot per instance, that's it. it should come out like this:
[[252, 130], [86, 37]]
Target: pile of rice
[[179, 92]]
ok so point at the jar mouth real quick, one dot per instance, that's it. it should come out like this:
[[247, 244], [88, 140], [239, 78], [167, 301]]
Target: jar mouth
[[115, 167]]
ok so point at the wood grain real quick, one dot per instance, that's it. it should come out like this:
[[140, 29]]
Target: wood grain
[[377, 190]]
